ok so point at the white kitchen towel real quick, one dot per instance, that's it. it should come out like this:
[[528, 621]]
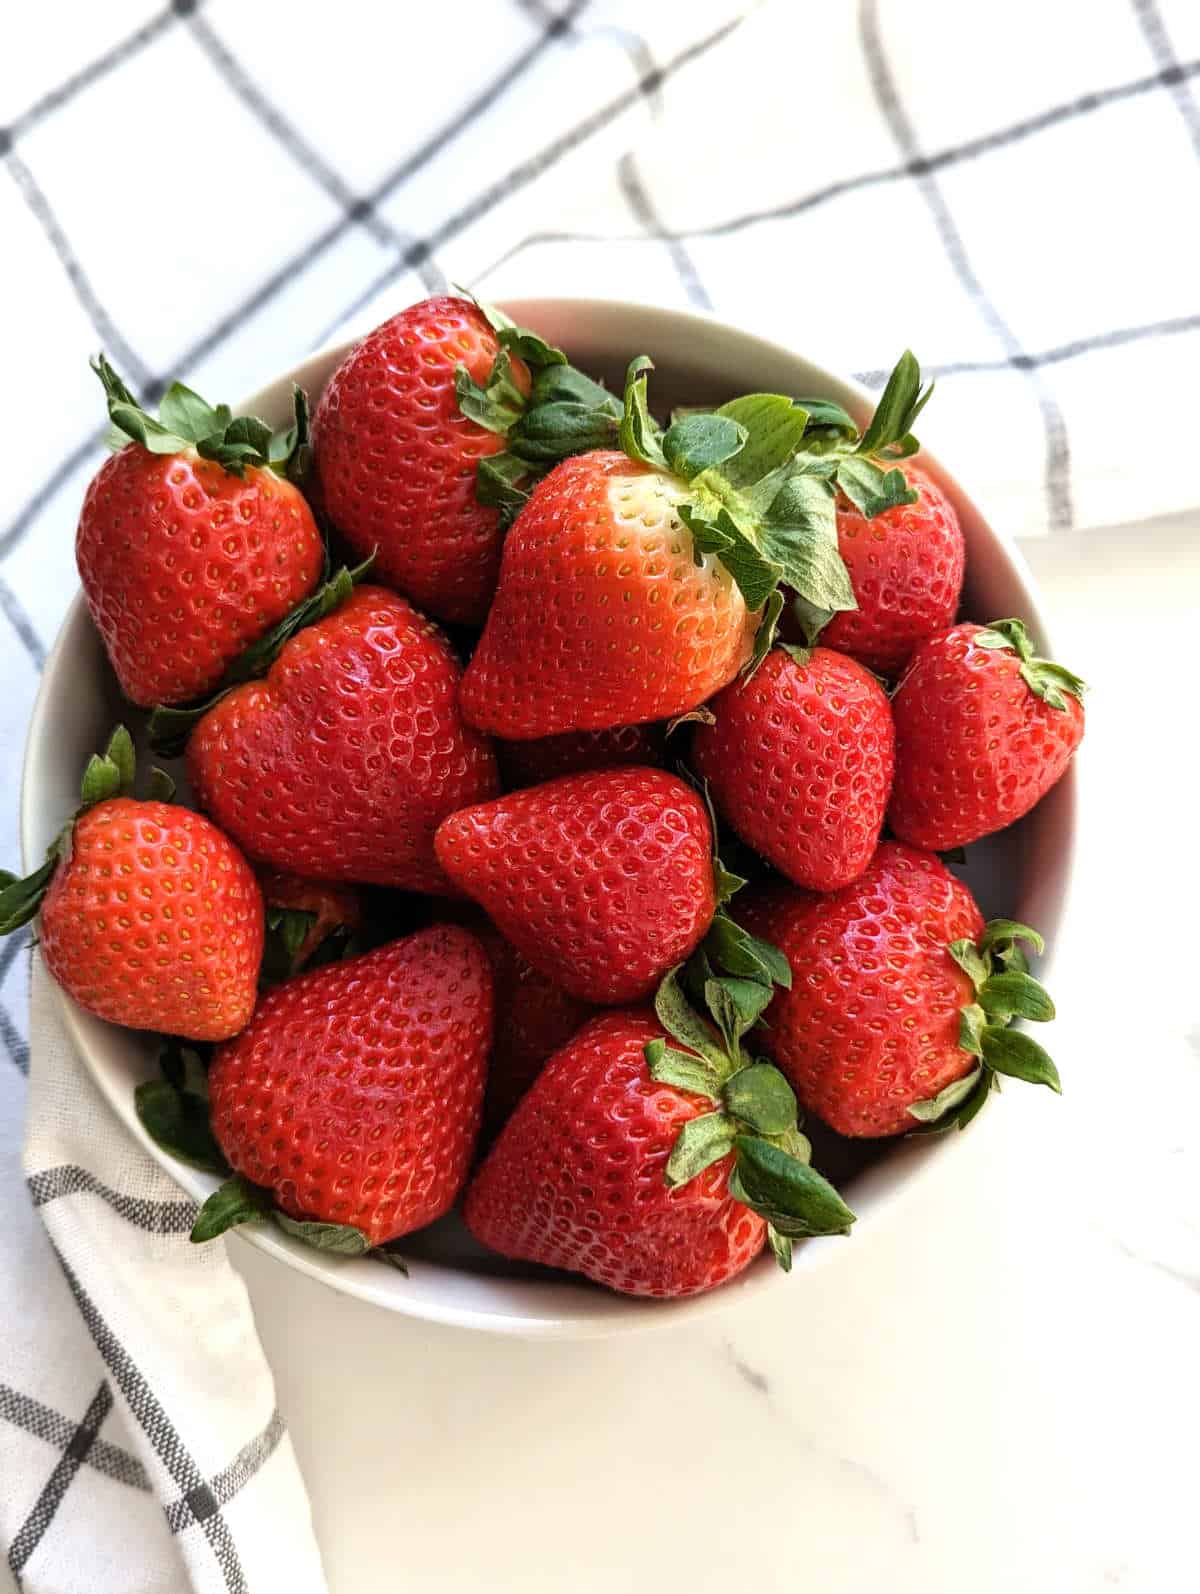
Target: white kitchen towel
[[209, 190], [140, 1447]]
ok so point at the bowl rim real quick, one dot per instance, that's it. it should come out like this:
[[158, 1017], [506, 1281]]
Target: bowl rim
[[600, 1313]]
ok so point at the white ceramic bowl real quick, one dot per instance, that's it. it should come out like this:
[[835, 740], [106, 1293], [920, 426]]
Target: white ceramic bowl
[[1023, 874]]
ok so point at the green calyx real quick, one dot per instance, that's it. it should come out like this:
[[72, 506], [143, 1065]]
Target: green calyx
[[237, 1201], [1004, 989], [108, 774], [730, 980], [565, 413], [284, 944], [168, 728], [764, 472], [186, 421], [1053, 683]]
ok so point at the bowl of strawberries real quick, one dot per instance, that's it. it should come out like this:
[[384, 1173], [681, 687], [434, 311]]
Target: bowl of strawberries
[[547, 815]]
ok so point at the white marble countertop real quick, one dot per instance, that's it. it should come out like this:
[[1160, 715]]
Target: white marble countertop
[[995, 1390]]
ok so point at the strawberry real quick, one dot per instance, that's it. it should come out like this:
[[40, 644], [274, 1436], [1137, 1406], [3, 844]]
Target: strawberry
[[799, 761], [906, 569], [150, 917], [897, 1012], [575, 752], [602, 881], [353, 1097], [984, 729], [403, 427], [192, 543], [655, 1170], [633, 586], [307, 921], [534, 1017], [342, 762]]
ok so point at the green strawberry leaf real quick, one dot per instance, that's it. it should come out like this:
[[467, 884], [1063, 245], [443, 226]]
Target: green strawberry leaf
[[385, 1253], [183, 1068], [496, 407], [761, 1097], [177, 1120], [497, 481], [185, 420], [871, 490], [737, 1005], [550, 432], [638, 432], [971, 1021], [738, 952], [1053, 683], [719, 534], [781, 1247], [162, 787], [826, 417], [531, 348], [1011, 1051], [774, 428], [111, 773], [188, 415], [937, 1107], [564, 384], [19, 899], [969, 959], [699, 442], [998, 934], [1015, 995], [701, 1142], [236, 1201], [341, 1239], [168, 728], [943, 1112], [790, 1194], [684, 1070], [799, 532], [680, 1020], [764, 637], [902, 400]]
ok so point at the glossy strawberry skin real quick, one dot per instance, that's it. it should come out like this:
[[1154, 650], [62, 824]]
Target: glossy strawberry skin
[[603, 881], [155, 921], [602, 617], [343, 760], [975, 747], [576, 752], [355, 1093], [396, 458], [185, 565], [906, 571], [576, 1181], [800, 763], [870, 1024]]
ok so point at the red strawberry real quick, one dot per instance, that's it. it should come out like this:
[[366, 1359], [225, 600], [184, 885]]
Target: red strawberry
[[191, 544], [354, 1094], [306, 919], [654, 1170], [603, 881], [534, 1017], [396, 457], [602, 616], [799, 761], [984, 728], [906, 569], [150, 917], [896, 1012], [575, 752], [343, 761]]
